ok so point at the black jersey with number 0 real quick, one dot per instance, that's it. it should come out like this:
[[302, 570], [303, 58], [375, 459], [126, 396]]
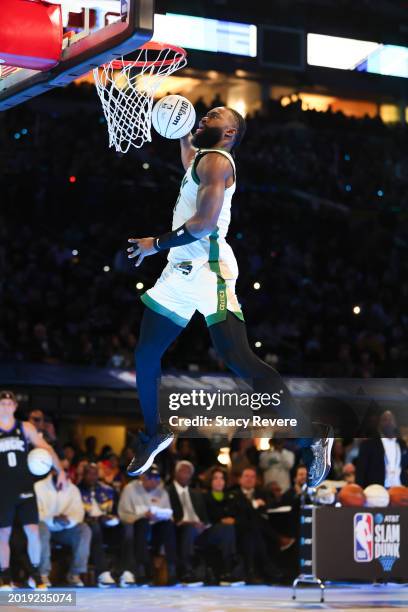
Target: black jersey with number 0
[[14, 472]]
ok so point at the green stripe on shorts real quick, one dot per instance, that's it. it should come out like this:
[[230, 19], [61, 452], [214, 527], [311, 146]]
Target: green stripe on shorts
[[162, 310]]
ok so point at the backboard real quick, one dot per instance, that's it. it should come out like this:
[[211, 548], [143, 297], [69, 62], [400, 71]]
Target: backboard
[[89, 32]]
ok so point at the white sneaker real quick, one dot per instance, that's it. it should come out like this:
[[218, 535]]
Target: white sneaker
[[9, 586], [127, 579], [75, 580], [105, 580]]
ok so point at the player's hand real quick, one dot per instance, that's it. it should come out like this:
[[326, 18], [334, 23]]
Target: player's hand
[[144, 247]]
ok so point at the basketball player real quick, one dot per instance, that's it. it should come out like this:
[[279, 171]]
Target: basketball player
[[201, 275], [17, 497]]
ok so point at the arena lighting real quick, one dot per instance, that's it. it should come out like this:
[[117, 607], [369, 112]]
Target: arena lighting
[[359, 55], [206, 34], [356, 310], [224, 456], [263, 444], [72, 179], [106, 268], [258, 344], [139, 285], [75, 252], [348, 187], [146, 166], [257, 285], [17, 135], [380, 193]]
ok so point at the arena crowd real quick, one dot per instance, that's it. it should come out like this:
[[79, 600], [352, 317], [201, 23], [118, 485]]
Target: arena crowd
[[319, 229]]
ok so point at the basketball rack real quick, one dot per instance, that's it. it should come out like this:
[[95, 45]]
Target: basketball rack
[[36, 55]]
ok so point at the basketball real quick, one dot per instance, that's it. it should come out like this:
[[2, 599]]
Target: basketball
[[173, 116], [351, 495], [377, 495], [398, 496], [39, 461]]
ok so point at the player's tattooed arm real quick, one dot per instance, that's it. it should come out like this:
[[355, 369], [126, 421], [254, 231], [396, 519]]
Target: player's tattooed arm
[[187, 150], [38, 441]]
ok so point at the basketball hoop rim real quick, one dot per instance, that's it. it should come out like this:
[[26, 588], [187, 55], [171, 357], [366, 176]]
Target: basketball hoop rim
[[149, 46]]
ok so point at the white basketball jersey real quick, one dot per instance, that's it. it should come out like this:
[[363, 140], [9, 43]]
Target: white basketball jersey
[[212, 249]]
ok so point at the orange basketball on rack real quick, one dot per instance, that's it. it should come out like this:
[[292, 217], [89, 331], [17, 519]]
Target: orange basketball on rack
[[351, 495], [398, 496]]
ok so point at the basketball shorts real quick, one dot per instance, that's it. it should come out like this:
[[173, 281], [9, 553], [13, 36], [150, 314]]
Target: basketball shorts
[[22, 506], [182, 289]]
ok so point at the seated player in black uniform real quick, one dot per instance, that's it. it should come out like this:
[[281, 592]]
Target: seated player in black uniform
[[17, 497]]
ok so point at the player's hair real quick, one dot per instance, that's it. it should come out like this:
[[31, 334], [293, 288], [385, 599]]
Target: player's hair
[[241, 127]]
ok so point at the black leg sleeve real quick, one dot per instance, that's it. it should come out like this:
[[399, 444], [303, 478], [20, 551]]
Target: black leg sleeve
[[156, 334]]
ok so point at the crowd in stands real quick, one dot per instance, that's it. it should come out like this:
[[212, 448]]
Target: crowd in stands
[[318, 220], [191, 518]]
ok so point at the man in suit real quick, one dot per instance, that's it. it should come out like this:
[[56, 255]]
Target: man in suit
[[383, 460], [190, 517], [257, 540]]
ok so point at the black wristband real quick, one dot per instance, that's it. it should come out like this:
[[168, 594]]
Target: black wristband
[[175, 238]]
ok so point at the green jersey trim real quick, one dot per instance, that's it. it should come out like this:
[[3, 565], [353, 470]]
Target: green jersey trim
[[162, 310], [201, 154], [217, 318]]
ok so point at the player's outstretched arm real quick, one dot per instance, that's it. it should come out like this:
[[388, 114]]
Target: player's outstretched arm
[[187, 150]]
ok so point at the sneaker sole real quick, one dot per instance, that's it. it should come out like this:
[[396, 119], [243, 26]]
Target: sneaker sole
[[150, 460], [327, 454]]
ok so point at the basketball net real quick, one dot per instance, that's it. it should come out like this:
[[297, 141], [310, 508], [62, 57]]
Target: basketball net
[[127, 88]]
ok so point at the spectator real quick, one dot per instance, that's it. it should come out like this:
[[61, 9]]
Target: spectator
[[337, 467], [90, 449], [70, 461], [146, 514], [276, 464], [258, 543], [222, 532], [243, 454], [99, 501], [61, 520], [190, 517], [46, 429], [110, 472], [292, 498], [349, 473], [383, 460]]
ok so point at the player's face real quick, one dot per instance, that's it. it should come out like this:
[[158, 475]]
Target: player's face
[[213, 128], [7, 408]]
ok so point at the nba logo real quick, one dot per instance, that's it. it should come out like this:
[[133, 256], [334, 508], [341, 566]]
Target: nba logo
[[363, 537]]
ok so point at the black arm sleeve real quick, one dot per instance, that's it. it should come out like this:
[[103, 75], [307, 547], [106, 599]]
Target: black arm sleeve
[[175, 238]]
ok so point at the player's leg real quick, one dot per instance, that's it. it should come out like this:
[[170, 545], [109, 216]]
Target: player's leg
[[230, 340], [27, 512], [5, 577], [8, 502], [157, 333]]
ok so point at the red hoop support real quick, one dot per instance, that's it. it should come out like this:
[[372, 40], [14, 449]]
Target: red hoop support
[[150, 46]]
